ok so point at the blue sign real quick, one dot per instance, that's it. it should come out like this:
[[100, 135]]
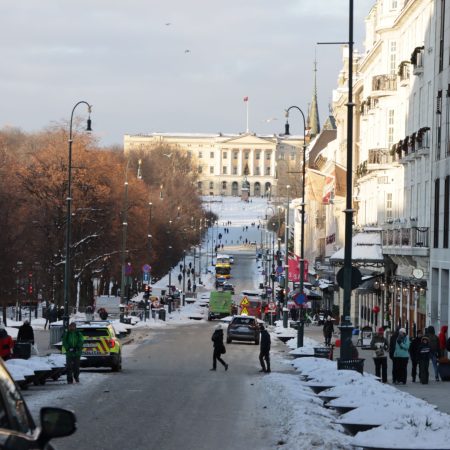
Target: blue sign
[[299, 298], [279, 270], [146, 278], [146, 268]]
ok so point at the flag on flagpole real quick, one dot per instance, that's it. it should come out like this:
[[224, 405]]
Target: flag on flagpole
[[245, 99]]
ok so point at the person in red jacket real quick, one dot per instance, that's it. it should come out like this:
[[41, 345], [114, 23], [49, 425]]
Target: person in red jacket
[[6, 344], [442, 336]]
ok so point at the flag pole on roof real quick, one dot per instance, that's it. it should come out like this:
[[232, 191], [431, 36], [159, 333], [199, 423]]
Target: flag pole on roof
[[246, 104]]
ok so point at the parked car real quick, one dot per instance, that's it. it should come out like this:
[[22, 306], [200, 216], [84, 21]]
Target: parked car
[[18, 428], [101, 346], [243, 328]]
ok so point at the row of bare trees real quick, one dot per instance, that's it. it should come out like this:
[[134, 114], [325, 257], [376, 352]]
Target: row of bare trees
[[161, 203]]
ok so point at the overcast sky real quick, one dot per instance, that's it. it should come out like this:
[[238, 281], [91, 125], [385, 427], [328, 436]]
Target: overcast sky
[[169, 65]]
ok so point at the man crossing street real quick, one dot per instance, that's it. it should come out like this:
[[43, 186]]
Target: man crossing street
[[264, 353]]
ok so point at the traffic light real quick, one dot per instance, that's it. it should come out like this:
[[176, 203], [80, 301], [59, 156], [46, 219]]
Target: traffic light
[[147, 291]]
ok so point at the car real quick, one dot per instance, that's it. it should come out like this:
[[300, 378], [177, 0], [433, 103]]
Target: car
[[231, 259], [220, 281], [18, 429], [101, 347], [228, 287], [243, 328]]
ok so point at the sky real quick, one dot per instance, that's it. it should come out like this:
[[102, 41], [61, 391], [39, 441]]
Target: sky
[[172, 66]]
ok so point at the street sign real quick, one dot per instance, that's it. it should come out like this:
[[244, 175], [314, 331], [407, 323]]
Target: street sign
[[146, 268], [272, 306], [300, 298], [128, 269], [245, 302], [146, 278], [279, 270], [244, 311]]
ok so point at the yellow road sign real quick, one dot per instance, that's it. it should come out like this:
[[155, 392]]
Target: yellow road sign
[[244, 311], [244, 302]]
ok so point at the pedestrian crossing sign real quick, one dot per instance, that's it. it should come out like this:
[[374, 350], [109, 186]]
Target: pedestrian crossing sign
[[244, 301], [244, 311]]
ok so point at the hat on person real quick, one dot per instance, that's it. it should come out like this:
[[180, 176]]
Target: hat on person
[[380, 330], [402, 330], [219, 327], [261, 326], [328, 317]]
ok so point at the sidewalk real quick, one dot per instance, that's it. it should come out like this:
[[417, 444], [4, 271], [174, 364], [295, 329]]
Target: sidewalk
[[435, 392]]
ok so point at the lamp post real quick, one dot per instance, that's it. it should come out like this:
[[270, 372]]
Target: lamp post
[[302, 214], [67, 275], [124, 236], [286, 261]]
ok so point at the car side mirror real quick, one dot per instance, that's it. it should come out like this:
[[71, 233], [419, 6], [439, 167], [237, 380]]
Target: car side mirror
[[57, 422]]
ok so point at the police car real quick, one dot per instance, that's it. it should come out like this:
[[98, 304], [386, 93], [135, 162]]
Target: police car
[[101, 346]]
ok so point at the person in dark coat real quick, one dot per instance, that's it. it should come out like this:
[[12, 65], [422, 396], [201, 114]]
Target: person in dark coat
[[328, 330], [414, 354], [392, 342], [434, 349], [423, 353], [380, 345], [26, 333], [264, 349], [219, 348]]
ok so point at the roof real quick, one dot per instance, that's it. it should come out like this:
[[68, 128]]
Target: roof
[[366, 249]]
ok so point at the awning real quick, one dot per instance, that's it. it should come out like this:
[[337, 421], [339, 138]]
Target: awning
[[366, 250]]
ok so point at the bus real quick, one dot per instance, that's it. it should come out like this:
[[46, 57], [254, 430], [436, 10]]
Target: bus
[[223, 267]]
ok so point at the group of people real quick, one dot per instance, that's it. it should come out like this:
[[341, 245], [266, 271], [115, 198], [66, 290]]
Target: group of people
[[219, 349], [425, 347]]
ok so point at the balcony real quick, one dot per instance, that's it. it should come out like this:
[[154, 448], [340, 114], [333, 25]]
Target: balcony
[[378, 159], [407, 241], [383, 85]]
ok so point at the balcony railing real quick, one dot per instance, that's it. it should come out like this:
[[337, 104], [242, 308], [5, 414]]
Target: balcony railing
[[406, 237], [379, 156], [382, 83]]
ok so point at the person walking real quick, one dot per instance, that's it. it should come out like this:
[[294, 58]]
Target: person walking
[[264, 349], [180, 277], [434, 350], [26, 333], [414, 354], [442, 336], [401, 356], [328, 330], [423, 352], [219, 348], [189, 285], [392, 342], [6, 344], [194, 287], [72, 341], [380, 345]]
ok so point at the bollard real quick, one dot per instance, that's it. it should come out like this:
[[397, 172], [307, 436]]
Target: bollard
[[300, 333], [184, 299], [285, 317], [170, 306]]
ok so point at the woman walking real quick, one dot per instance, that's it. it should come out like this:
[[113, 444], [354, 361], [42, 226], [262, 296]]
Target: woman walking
[[401, 356], [219, 348]]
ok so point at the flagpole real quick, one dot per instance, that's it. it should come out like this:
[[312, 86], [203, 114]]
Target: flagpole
[[247, 114]]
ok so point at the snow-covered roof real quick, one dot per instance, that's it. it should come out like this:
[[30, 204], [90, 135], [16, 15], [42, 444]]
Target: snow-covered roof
[[366, 249]]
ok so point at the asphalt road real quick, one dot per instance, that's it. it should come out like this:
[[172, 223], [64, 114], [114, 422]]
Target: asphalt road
[[167, 398]]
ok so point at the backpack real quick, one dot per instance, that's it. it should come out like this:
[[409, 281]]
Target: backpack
[[447, 345]]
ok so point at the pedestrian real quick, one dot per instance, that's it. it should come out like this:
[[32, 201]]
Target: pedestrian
[[264, 349], [189, 285], [434, 350], [392, 341], [26, 333], [442, 336], [401, 356], [181, 267], [72, 346], [423, 352], [380, 345], [52, 313], [414, 354], [6, 344], [180, 277], [219, 348], [194, 287], [328, 330]]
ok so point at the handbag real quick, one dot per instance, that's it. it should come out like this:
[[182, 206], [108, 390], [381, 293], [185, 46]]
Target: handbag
[[223, 350]]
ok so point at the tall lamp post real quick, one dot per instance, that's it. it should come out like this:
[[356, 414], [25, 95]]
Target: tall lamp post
[[286, 261], [67, 275], [124, 236], [302, 214]]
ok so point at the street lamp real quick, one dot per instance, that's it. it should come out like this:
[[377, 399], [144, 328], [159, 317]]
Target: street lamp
[[302, 212], [124, 236], [286, 261], [69, 215]]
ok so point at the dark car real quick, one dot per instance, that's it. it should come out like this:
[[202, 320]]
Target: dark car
[[243, 328], [17, 428], [220, 281], [228, 287]]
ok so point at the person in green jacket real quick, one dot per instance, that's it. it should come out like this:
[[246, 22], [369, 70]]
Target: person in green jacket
[[401, 357], [73, 345]]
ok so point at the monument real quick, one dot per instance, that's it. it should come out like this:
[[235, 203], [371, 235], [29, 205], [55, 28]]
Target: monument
[[245, 188]]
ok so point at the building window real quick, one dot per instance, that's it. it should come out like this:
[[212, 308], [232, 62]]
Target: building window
[[224, 155], [246, 155], [441, 37], [393, 58], [200, 155], [199, 184], [446, 209], [235, 155], [393, 4], [200, 169], [267, 170], [292, 156], [281, 156], [447, 122], [436, 214], [211, 155], [389, 206], [234, 170], [258, 155], [211, 184], [257, 171], [224, 170], [268, 155], [211, 169], [390, 128], [438, 124]]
